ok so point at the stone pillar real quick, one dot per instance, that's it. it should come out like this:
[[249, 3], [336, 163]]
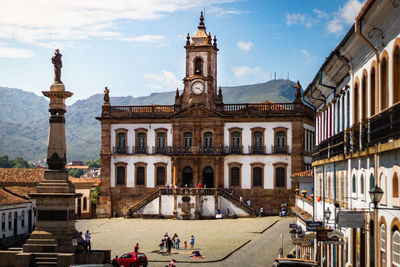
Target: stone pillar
[[55, 194]]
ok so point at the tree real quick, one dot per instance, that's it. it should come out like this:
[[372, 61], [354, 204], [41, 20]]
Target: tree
[[5, 162], [94, 194], [19, 162], [93, 163], [75, 172]]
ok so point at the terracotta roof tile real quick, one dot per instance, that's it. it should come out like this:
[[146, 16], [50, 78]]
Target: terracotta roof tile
[[94, 181], [303, 174], [21, 191], [20, 176], [9, 198]]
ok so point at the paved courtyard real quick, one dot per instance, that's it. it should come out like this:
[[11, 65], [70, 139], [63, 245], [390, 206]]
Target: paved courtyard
[[219, 241]]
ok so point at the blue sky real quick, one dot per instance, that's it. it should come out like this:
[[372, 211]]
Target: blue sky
[[135, 47]]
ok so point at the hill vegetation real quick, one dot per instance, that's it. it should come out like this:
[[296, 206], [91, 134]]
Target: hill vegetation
[[24, 117]]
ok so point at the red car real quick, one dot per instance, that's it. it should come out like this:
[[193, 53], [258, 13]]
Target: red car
[[133, 259]]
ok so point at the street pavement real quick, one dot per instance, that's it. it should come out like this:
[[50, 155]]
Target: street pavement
[[227, 242]]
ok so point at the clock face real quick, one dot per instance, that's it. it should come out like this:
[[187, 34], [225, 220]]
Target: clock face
[[198, 88]]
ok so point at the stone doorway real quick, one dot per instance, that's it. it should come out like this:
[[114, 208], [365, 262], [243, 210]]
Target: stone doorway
[[187, 176], [208, 177]]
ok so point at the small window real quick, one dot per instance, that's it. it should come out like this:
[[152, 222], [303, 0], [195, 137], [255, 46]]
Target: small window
[[395, 186], [187, 140], [280, 176], [235, 176], [396, 248], [235, 139], [85, 200], [23, 218], [362, 184], [280, 139], [354, 184], [140, 175], [121, 175], [141, 140], [257, 176], [160, 175], [208, 139], [161, 140], [258, 139]]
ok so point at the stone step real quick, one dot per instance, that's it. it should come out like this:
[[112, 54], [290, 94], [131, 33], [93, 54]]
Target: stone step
[[46, 259], [45, 264]]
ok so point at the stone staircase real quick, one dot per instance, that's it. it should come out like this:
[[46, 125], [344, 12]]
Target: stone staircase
[[143, 202], [45, 259], [224, 193]]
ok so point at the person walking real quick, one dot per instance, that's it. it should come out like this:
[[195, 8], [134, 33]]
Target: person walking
[[169, 245], [248, 202], [136, 249], [191, 242], [177, 241], [261, 212], [87, 241], [185, 245], [161, 245], [241, 199]]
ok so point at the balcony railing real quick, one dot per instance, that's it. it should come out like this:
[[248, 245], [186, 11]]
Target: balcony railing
[[378, 129], [279, 149], [257, 150], [234, 149], [120, 150]]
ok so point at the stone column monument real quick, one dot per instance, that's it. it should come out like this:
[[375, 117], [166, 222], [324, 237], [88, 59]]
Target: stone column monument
[[55, 194]]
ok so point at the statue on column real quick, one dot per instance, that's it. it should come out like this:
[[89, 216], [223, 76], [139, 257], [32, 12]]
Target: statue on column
[[106, 96], [298, 90], [56, 60]]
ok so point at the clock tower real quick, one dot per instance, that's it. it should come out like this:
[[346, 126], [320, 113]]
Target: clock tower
[[200, 82]]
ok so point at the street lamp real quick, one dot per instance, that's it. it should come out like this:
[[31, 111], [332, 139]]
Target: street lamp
[[327, 214], [376, 195]]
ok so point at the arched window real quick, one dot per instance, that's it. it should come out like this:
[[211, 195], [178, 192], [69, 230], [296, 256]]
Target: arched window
[[258, 139], [187, 140], [372, 88], [364, 96], [356, 104], [395, 186], [382, 245], [208, 139], [121, 172], [396, 248], [141, 140], [280, 177], [384, 83], [396, 74], [121, 142], [160, 173], [257, 176], [371, 181], [235, 176], [280, 139], [362, 184], [354, 184], [198, 66], [235, 139], [161, 140], [382, 184], [140, 175]]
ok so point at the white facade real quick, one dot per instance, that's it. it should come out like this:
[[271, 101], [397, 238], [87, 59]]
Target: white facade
[[17, 219]]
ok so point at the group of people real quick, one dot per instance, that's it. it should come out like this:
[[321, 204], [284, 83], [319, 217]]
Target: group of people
[[168, 243], [84, 242]]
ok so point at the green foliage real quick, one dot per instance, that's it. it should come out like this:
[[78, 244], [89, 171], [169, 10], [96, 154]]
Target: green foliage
[[18, 162], [94, 194], [93, 163], [75, 172]]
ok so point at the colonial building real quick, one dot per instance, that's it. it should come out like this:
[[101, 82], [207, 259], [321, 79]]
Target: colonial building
[[251, 149], [356, 93]]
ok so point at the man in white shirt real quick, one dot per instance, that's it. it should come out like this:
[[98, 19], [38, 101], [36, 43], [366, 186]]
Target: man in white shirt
[[87, 240]]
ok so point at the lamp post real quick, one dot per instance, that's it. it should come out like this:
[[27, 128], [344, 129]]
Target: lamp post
[[327, 215], [376, 195]]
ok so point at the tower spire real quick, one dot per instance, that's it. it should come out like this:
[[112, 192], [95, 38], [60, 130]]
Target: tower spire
[[201, 19]]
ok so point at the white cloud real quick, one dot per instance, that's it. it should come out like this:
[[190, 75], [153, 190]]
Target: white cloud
[[245, 71], [320, 14], [298, 19], [309, 57], [148, 38], [11, 52], [45, 21], [344, 16], [164, 81], [245, 46]]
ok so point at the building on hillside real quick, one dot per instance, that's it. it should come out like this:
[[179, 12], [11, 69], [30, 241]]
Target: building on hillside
[[356, 93], [251, 149]]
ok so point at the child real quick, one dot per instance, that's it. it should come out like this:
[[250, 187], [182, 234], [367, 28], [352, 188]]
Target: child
[[191, 242], [185, 245]]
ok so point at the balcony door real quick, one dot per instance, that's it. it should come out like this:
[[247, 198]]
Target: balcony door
[[208, 177], [187, 176]]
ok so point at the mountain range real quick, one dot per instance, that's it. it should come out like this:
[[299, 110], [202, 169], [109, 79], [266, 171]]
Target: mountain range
[[24, 117]]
